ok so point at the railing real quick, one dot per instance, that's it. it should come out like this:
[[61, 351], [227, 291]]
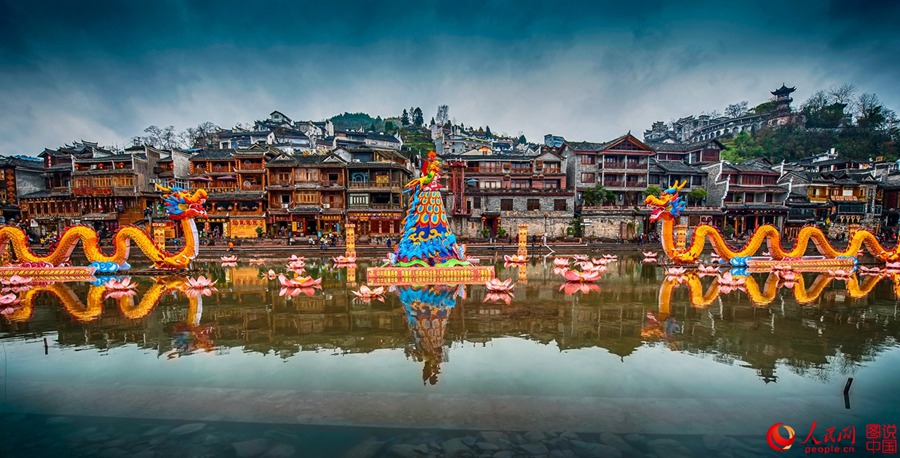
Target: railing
[[376, 206], [249, 167], [486, 170], [613, 184], [219, 168], [625, 165], [370, 184], [218, 188], [252, 187], [331, 184], [258, 211]]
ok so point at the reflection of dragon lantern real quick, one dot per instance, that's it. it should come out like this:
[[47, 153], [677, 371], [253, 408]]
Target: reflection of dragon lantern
[[763, 296], [180, 205], [667, 208]]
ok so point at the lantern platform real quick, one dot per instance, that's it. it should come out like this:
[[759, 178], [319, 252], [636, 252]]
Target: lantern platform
[[387, 276], [811, 264], [49, 273]]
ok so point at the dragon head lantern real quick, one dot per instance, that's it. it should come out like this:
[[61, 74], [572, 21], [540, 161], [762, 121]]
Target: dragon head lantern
[[669, 204], [181, 204]]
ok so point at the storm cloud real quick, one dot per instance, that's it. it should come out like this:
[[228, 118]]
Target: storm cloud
[[102, 71]]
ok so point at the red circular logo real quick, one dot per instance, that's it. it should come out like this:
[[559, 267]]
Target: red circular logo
[[778, 443]]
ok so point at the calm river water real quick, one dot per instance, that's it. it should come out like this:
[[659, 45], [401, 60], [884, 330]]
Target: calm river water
[[636, 366]]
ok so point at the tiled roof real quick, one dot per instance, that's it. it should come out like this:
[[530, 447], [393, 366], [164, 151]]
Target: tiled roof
[[214, 154]]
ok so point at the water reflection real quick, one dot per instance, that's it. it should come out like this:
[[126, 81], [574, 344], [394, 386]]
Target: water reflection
[[427, 312], [811, 324]]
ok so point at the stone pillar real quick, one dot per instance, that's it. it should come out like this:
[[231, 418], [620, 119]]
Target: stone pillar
[[523, 240], [681, 236], [351, 240]]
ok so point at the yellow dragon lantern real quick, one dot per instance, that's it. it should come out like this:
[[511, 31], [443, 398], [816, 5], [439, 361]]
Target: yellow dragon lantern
[[181, 205], [668, 206]]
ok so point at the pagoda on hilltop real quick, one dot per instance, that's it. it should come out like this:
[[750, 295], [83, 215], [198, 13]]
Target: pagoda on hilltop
[[781, 97]]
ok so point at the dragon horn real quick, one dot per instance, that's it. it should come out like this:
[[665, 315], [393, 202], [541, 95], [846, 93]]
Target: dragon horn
[[679, 186], [163, 188]]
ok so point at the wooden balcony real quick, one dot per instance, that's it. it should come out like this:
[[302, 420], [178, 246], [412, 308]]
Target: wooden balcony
[[376, 206], [393, 185]]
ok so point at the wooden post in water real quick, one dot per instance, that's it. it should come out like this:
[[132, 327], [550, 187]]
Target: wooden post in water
[[351, 241], [523, 240]]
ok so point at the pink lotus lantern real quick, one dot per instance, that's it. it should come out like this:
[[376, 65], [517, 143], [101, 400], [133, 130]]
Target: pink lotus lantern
[[16, 280], [496, 286], [870, 270], [365, 294], [299, 282], [120, 285], [271, 275], [344, 260], [294, 292], [788, 277], [570, 288], [599, 261], [561, 262], [892, 266], [674, 272], [506, 298], [229, 258], [728, 283], [610, 257], [514, 259], [257, 262], [473, 260], [581, 277], [8, 303], [840, 273], [580, 257], [707, 270], [649, 254], [200, 286]]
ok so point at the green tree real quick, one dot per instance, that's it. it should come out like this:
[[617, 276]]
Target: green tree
[[487, 132], [404, 118], [742, 147], [522, 140], [697, 195], [652, 191], [389, 127], [418, 118], [598, 195]]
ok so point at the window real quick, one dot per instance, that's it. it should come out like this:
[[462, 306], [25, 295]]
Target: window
[[588, 159], [285, 198], [284, 176], [751, 180], [506, 205], [534, 204], [359, 199], [588, 178], [489, 184], [476, 202], [559, 205], [521, 184]]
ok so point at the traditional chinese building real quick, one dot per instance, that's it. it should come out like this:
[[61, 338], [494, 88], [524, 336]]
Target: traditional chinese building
[[306, 194], [621, 167], [19, 175], [748, 193], [235, 180], [375, 201], [490, 191]]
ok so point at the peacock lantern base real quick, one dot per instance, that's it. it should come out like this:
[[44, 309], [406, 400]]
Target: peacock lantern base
[[427, 252]]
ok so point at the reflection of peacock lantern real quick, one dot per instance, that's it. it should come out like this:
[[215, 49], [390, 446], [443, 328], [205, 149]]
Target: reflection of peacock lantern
[[427, 312]]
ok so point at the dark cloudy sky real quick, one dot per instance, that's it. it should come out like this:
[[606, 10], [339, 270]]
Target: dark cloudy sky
[[102, 71]]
